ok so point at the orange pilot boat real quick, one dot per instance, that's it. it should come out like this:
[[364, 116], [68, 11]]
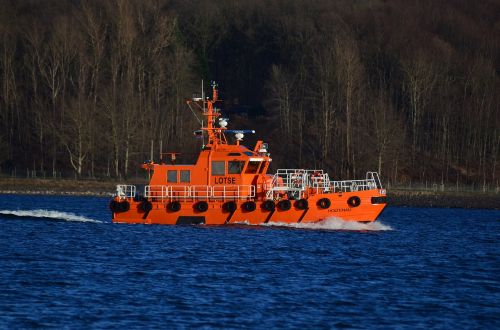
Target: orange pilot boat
[[229, 184]]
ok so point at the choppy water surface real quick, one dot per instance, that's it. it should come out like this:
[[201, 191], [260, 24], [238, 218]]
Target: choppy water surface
[[64, 264]]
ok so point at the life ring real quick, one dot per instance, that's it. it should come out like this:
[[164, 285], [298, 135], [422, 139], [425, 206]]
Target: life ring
[[268, 205], [174, 206], [248, 206], [201, 206], [146, 206], [324, 203], [354, 201], [284, 205], [302, 204], [230, 206], [317, 178]]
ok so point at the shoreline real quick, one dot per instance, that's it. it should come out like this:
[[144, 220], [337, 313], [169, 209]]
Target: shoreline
[[62, 187], [396, 197], [462, 200]]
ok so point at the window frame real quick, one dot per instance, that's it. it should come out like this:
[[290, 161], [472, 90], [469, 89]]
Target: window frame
[[169, 177], [259, 162], [262, 166], [181, 178], [241, 164], [212, 171]]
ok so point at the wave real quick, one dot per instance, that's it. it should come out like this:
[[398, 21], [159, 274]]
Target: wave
[[46, 214], [333, 223]]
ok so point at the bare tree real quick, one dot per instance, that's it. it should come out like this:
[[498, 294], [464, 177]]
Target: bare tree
[[76, 133], [421, 77], [350, 79]]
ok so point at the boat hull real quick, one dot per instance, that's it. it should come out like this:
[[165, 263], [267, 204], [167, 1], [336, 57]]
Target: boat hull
[[370, 204]]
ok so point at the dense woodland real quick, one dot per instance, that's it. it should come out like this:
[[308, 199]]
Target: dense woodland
[[409, 88]]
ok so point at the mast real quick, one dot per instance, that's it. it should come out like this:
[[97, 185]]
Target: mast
[[215, 134], [211, 116]]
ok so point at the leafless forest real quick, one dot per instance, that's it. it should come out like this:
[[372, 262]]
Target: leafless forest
[[409, 88]]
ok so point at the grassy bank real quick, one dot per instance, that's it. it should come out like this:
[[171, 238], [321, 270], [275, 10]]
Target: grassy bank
[[397, 197]]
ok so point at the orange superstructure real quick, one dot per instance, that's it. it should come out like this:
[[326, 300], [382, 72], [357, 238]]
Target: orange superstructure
[[229, 184]]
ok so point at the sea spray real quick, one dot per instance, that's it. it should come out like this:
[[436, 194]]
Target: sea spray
[[332, 223], [47, 214]]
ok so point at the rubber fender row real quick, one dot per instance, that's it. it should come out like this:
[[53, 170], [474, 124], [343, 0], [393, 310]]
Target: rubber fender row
[[353, 201], [231, 206], [124, 206]]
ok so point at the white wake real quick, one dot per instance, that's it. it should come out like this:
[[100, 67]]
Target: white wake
[[333, 223], [47, 214]]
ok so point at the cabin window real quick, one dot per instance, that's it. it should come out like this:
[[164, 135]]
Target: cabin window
[[172, 176], [262, 168], [185, 176], [234, 154], [252, 167], [235, 166], [218, 167]]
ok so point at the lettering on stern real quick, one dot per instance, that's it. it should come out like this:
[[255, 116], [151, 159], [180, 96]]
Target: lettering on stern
[[340, 210]]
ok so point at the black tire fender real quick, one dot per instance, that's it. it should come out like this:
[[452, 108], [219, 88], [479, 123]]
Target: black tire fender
[[124, 206], [146, 206], [230, 206], [201, 206], [354, 201], [284, 205], [302, 204], [268, 205], [324, 203], [174, 206], [248, 206], [114, 206]]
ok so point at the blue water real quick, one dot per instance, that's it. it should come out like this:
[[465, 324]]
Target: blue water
[[436, 268]]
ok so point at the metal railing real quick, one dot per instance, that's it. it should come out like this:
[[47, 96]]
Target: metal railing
[[372, 181], [296, 181], [199, 192], [374, 176], [352, 185], [177, 192], [319, 182], [125, 191], [299, 179], [291, 181], [233, 192], [155, 192]]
